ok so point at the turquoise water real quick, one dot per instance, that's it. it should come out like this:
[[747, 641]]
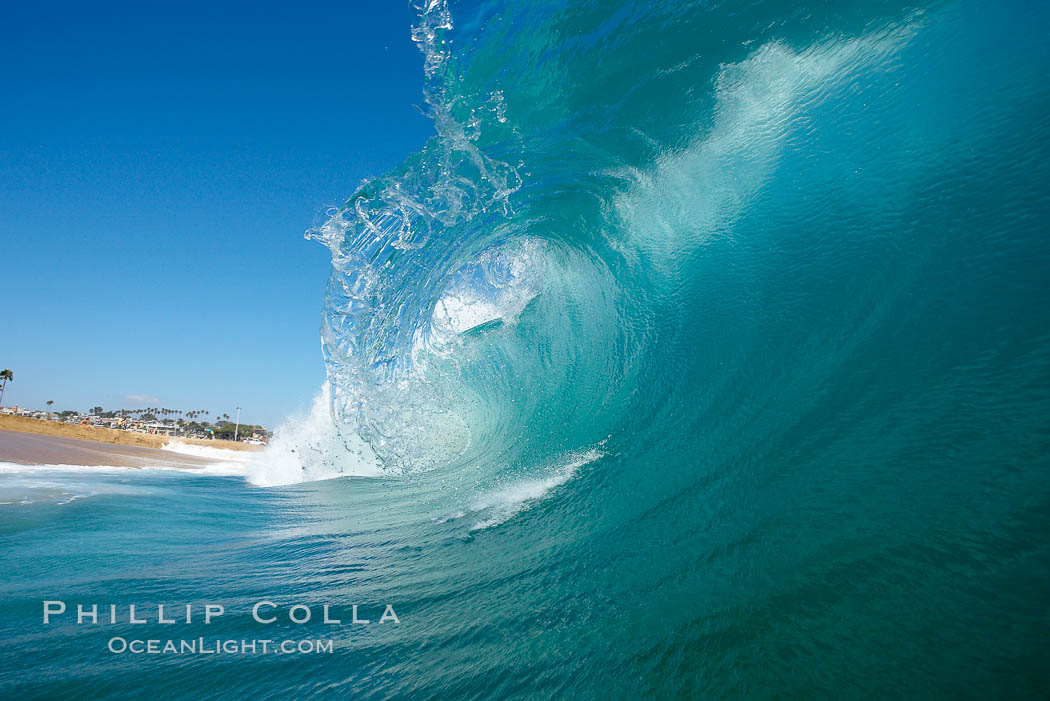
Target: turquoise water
[[705, 352]]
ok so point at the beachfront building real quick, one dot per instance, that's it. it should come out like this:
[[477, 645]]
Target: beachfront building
[[163, 429]]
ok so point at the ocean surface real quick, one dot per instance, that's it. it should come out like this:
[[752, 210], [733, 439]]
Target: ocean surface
[[703, 353]]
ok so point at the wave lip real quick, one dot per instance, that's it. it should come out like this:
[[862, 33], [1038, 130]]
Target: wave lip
[[418, 260]]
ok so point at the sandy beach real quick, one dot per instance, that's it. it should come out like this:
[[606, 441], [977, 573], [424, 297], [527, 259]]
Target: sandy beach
[[28, 441], [23, 424], [31, 449]]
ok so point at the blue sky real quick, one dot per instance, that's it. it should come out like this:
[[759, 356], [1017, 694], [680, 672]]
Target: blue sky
[[159, 163]]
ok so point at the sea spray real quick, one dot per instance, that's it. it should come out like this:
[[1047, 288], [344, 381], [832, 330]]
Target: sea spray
[[308, 447]]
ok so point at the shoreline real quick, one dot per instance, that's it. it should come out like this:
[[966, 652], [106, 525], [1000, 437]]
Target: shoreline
[[35, 450], [98, 434]]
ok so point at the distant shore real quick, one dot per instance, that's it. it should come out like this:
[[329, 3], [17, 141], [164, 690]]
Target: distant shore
[[24, 424]]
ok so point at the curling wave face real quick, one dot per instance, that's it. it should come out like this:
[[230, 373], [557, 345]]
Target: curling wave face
[[463, 324], [527, 284], [628, 221]]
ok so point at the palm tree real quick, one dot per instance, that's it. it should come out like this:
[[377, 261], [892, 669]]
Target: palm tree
[[6, 375], [49, 403]]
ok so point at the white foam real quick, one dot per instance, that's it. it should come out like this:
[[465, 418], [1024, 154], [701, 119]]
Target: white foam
[[23, 485], [693, 193], [502, 504], [208, 452], [18, 468], [308, 448], [215, 469]]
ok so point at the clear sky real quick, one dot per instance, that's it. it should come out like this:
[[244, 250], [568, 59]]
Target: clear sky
[[159, 163]]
